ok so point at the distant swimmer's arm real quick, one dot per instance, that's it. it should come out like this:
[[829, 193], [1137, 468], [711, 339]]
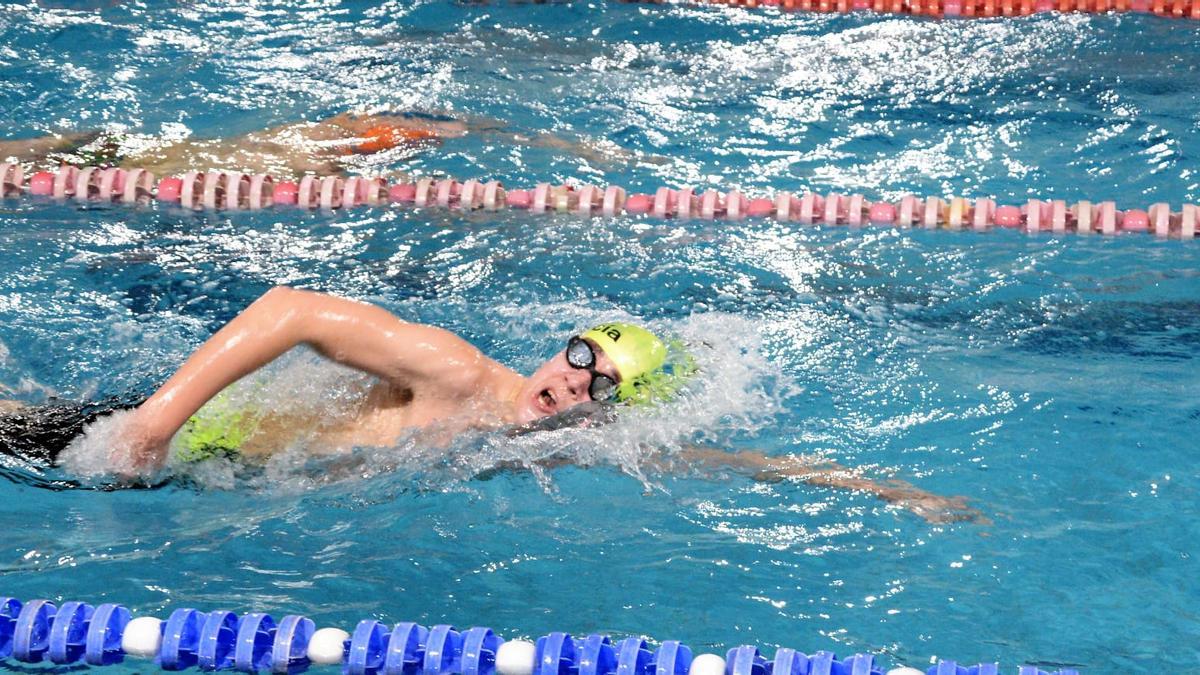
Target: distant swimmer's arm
[[825, 473], [601, 152], [353, 333]]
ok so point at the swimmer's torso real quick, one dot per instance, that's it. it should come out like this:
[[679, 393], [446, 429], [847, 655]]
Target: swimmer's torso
[[387, 414]]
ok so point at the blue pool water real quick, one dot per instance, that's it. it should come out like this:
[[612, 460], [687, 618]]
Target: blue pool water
[[1052, 381]]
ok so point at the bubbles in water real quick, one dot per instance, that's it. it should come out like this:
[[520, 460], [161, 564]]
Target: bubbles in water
[[99, 450]]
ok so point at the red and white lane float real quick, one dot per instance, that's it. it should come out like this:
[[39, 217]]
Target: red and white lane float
[[1180, 9], [212, 190]]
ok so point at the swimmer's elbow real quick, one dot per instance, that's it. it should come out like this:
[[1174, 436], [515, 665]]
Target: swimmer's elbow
[[279, 294], [282, 317], [283, 303]]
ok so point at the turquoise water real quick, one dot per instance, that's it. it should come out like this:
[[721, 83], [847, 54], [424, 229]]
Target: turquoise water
[[1049, 380]]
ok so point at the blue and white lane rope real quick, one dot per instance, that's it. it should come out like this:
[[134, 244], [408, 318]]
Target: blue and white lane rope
[[75, 631]]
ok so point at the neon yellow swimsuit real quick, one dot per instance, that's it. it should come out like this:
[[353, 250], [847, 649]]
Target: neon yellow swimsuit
[[216, 430]]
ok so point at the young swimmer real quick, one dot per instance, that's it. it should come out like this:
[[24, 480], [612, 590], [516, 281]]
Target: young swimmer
[[427, 378], [329, 146]]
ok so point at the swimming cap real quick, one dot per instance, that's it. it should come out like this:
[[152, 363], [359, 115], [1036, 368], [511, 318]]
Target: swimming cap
[[387, 136], [637, 353]]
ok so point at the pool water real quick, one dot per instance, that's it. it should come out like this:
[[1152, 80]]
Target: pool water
[[1050, 380]]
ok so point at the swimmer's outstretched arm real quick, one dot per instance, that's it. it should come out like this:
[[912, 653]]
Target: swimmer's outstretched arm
[[826, 473], [430, 361], [933, 508], [355, 129]]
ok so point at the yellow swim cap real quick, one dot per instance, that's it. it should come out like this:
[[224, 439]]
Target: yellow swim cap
[[637, 353]]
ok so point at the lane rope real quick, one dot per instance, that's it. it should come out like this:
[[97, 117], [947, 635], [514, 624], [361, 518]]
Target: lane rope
[[1180, 9], [213, 190], [75, 632]]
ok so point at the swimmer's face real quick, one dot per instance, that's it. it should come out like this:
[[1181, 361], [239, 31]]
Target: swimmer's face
[[558, 386]]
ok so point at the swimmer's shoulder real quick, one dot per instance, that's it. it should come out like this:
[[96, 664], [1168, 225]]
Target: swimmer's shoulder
[[449, 365]]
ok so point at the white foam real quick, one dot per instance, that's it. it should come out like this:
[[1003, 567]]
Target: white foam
[[101, 450]]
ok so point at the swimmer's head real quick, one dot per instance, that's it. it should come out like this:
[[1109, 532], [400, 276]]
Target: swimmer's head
[[611, 363]]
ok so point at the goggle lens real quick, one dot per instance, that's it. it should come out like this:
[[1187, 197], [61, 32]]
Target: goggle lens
[[581, 356], [602, 388]]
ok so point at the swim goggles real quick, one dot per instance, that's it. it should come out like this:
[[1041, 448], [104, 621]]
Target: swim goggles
[[580, 355]]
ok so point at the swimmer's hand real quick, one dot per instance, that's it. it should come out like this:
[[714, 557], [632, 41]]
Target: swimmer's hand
[[116, 445], [138, 450], [601, 154], [933, 508]]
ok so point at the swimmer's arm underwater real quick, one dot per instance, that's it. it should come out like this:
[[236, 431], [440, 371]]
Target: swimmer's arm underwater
[[813, 471], [823, 473], [365, 135], [427, 360], [826, 473]]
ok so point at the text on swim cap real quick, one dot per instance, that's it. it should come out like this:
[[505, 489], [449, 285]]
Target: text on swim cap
[[610, 330]]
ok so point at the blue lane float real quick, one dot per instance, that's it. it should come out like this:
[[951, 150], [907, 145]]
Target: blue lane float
[[77, 632]]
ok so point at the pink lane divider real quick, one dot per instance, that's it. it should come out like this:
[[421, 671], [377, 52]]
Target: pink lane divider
[[41, 184], [64, 182], [639, 204], [330, 192], [233, 191], [403, 193], [735, 205], [191, 189], [882, 213], [539, 199], [494, 196], [424, 189], [112, 184], [446, 193], [237, 192], [91, 184], [588, 201], [519, 199], [169, 189], [307, 195], [216, 185], [12, 180], [262, 191], [470, 196], [760, 208], [286, 193], [87, 184], [976, 8]]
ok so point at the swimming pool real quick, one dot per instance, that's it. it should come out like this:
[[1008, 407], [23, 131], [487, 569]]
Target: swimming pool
[[1051, 380]]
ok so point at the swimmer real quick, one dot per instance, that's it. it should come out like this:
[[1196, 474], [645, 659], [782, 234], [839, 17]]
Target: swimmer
[[426, 378], [330, 146]]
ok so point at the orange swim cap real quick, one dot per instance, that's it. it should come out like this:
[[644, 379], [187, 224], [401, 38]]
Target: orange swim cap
[[387, 136]]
